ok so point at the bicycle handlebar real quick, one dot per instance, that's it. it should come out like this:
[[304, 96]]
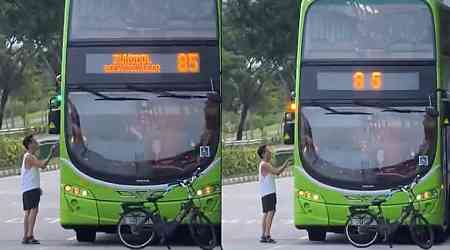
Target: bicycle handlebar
[[185, 182], [404, 188]]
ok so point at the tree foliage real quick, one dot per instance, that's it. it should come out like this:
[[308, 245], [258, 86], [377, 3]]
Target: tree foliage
[[30, 41], [260, 40]]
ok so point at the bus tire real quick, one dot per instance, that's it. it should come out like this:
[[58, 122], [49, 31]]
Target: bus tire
[[316, 234], [85, 235]]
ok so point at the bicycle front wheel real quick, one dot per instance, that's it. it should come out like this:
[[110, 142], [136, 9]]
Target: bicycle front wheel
[[202, 231], [361, 229], [421, 231], [133, 231]]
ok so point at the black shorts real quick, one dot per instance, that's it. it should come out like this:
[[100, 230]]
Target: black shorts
[[31, 198], [269, 202]]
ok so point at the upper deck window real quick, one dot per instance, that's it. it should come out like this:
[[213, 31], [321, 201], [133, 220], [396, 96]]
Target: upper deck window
[[369, 30], [143, 20]]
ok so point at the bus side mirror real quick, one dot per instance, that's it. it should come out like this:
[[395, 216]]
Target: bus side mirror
[[288, 128], [54, 115]]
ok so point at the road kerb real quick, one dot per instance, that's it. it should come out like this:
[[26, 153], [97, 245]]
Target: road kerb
[[16, 171], [249, 178]]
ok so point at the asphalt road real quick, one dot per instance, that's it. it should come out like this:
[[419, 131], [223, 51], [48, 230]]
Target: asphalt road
[[48, 229], [242, 227]]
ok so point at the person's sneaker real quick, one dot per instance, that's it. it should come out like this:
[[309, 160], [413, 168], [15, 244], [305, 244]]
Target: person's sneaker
[[263, 239], [25, 241], [270, 240]]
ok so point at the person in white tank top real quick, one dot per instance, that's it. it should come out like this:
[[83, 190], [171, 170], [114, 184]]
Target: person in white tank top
[[267, 189], [31, 186]]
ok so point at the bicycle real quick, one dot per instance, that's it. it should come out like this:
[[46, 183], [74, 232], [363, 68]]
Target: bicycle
[[364, 226], [140, 225]]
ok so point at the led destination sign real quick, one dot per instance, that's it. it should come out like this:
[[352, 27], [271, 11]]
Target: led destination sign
[[143, 63]]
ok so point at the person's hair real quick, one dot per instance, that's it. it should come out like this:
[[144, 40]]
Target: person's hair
[[261, 151], [27, 141]]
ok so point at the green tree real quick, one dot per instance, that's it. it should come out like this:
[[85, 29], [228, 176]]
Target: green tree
[[13, 61], [244, 78], [30, 33], [260, 37], [42, 28]]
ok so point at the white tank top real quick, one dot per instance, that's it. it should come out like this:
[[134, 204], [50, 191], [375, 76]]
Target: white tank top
[[30, 176], [266, 183]]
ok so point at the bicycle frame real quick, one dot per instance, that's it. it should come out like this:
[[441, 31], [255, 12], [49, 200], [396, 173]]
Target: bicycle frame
[[159, 224], [384, 226]]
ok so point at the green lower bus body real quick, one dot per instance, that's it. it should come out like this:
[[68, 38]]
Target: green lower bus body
[[99, 209], [328, 211]]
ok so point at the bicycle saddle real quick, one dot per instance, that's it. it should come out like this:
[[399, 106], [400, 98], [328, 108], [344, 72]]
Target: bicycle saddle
[[155, 197]]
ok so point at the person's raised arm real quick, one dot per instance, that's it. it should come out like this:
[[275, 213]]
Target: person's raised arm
[[268, 168], [32, 162], [284, 166]]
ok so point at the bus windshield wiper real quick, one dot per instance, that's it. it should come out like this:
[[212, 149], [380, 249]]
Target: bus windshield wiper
[[333, 111], [180, 96], [165, 93], [387, 108], [104, 97]]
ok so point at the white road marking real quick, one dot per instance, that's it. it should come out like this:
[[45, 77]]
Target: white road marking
[[250, 222], [52, 220], [287, 222], [272, 248], [234, 221], [14, 221], [256, 221]]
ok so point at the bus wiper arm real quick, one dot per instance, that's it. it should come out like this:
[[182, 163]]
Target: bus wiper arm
[[179, 96], [406, 111], [165, 93], [91, 91], [121, 99], [387, 108], [104, 97], [336, 112]]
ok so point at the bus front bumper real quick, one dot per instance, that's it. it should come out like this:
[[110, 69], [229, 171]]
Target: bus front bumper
[[77, 212], [311, 214]]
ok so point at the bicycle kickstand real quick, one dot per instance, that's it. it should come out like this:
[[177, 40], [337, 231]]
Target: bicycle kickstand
[[163, 241]]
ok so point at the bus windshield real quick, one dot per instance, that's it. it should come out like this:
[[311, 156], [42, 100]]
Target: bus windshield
[[366, 148], [369, 30], [143, 19], [137, 138]]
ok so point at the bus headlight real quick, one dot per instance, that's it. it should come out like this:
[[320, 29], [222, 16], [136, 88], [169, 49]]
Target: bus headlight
[[308, 195], [206, 191], [77, 191], [428, 195]]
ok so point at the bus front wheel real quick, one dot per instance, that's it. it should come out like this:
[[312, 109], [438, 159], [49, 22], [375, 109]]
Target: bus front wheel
[[84, 235], [315, 234]]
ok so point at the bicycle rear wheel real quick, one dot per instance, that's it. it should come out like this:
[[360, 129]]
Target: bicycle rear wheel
[[133, 231], [202, 231], [361, 229], [421, 231]]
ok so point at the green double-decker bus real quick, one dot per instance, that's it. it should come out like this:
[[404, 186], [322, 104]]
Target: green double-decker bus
[[141, 91], [372, 77]]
